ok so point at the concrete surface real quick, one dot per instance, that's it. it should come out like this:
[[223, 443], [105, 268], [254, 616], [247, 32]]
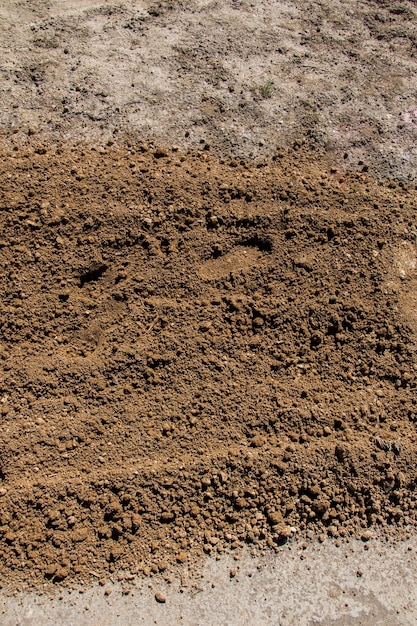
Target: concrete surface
[[353, 584]]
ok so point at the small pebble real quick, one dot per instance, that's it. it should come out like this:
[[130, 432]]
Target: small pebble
[[159, 597]]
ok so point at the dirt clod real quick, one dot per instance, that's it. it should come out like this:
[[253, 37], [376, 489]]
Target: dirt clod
[[159, 597]]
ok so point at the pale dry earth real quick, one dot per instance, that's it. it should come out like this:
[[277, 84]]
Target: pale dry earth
[[317, 585], [244, 77]]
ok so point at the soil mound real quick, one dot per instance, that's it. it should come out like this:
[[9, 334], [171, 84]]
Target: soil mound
[[198, 353]]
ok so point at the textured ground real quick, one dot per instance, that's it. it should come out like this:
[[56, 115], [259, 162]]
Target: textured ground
[[208, 270], [321, 585], [199, 354], [243, 76]]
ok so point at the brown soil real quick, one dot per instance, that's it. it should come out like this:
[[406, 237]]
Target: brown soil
[[199, 353]]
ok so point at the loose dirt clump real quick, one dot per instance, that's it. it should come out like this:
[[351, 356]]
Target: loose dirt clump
[[198, 354]]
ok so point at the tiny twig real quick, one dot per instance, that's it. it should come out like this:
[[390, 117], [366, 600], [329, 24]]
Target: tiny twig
[[152, 325]]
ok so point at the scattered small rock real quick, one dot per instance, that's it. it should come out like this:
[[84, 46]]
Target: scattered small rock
[[181, 557], [159, 597]]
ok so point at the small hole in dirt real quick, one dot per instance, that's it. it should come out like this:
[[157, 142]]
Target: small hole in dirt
[[262, 243], [92, 274], [216, 252]]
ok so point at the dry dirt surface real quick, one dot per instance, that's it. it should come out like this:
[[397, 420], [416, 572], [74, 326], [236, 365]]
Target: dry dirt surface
[[198, 354], [243, 76], [208, 272]]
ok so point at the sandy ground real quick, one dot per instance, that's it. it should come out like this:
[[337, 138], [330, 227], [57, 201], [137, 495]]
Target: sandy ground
[[189, 366], [236, 84]]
